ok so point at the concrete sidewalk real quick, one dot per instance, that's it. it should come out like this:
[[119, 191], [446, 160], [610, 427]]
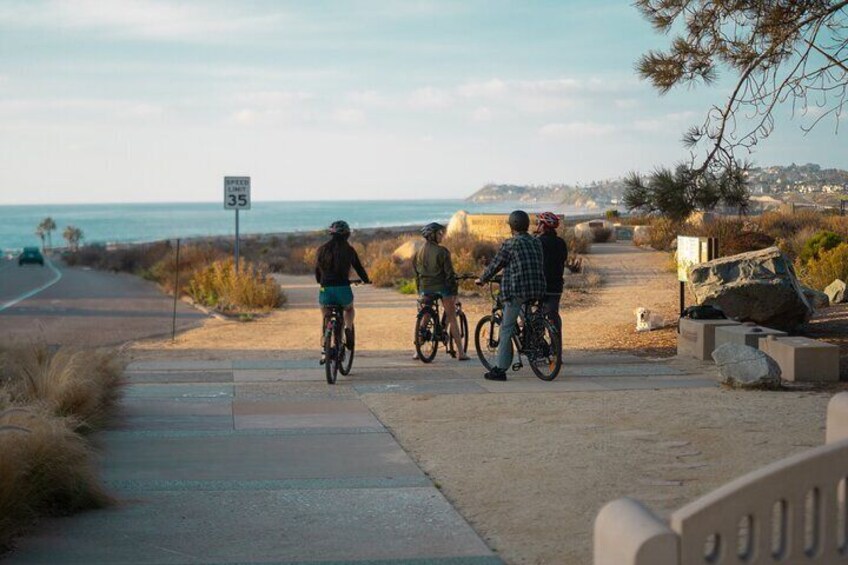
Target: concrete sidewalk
[[259, 461]]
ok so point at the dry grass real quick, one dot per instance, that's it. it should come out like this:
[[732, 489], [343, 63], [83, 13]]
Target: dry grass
[[221, 286], [48, 401], [830, 265], [80, 384], [46, 469]]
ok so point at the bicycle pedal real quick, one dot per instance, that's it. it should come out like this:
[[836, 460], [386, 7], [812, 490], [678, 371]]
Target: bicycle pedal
[[517, 366]]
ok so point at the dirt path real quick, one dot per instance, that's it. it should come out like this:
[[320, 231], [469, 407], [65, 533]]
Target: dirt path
[[632, 278]]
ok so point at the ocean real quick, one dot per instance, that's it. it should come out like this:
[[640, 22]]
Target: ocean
[[134, 223]]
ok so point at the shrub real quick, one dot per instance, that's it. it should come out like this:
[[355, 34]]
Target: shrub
[[81, 384], [219, 285], [612, 214], [828, 266], [384, 272], [663, 232], [407, 286], [821, 241], [193, 258], [577, 244], [46, 469]]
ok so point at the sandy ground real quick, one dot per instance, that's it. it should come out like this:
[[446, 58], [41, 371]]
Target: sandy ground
[[597, 319], [531, 471]]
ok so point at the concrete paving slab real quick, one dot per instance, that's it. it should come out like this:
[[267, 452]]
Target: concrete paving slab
[[620, 370], [136, 406], [166, 377], [536, 385], [298, 390], [180, 391], [130, 489], [657, 384], [176, 423], [570, 358], [179, 365], [279, 375], [253, 457], [260, 527], [269, 364], [421, 387], [303, 414]]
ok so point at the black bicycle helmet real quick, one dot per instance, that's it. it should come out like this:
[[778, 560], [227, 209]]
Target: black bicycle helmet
[[519, 221], [340, 228], [430, 230]]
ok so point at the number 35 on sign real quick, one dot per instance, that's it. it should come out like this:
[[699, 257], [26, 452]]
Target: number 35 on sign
[[237, 193]]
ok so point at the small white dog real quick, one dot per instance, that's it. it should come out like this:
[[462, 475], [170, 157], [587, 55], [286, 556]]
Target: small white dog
[[647, 320]]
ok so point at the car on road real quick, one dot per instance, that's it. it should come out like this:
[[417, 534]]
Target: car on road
[[31, 255]]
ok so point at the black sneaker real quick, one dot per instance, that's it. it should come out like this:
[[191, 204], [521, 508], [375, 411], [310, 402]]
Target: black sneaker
[[495, 374], [349, 338]]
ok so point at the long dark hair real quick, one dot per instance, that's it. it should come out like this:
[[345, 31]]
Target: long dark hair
[[330, 253]]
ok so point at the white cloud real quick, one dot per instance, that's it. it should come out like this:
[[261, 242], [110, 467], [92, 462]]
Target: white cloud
[[273, 98], [430, 98], [482, 114], [626, 103], [368, 98], [51, 109], [349, 116], [576, 129], [142, 19], [494, 88]]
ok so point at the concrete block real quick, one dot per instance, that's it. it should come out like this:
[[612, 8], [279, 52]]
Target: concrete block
[[627, 533], [697, 337], [802, 358], [744, 334], [837, 418]]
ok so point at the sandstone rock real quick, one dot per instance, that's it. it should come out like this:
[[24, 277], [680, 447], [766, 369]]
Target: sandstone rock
[[407, 250], [641, 235], [759, 287], [835, 291], [817, 299], [742, 366]]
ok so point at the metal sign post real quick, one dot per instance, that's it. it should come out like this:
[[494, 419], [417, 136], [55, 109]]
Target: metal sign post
[[237, 197]]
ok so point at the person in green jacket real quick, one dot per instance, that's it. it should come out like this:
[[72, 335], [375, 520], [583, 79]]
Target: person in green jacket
[[435, 277]]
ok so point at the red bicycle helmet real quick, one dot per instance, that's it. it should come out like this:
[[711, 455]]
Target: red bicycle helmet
[[547, 220]]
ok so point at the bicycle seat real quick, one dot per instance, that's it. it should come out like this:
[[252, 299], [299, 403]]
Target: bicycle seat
[[428, 298]]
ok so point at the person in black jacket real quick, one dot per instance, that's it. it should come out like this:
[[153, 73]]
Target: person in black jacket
[[556, 255], [332, 271]]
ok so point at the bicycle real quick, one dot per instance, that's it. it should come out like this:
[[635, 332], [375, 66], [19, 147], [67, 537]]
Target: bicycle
[[431, 326], [338, 353], [536, 338]]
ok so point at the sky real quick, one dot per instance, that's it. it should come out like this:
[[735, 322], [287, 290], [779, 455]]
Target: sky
[[155, 101]]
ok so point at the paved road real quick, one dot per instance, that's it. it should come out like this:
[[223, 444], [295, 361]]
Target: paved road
[[71, 306]]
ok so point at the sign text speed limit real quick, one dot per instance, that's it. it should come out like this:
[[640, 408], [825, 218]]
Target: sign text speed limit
[[237, 193]]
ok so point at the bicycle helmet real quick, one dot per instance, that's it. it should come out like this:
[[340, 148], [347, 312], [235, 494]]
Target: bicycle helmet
[[340, 228], [547, 221], [431, 230], [519, 221]]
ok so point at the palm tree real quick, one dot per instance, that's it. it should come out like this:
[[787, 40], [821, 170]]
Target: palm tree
[[73, 235], [48, 226], [39, 231]]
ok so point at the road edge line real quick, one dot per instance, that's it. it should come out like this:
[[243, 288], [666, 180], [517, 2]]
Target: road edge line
[[31, 293]]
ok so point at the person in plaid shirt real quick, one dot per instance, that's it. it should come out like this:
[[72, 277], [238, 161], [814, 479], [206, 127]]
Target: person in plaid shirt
[[522, 261]]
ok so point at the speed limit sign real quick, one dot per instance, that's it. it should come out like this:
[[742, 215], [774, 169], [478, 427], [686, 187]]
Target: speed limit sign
[[237, 193]]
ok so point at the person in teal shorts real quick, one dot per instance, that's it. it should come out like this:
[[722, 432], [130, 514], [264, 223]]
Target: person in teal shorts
[[334, 261], [436, 277]]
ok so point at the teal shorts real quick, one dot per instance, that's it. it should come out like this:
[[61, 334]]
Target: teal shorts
[[335, 296]]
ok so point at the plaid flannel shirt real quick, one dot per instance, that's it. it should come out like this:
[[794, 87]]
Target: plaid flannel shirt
[[523, 264]]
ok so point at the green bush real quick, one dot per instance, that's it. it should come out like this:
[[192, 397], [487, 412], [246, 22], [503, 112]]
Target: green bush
[[407, 286], [822, 241], [220, 286], [830, 265], [612, 214]]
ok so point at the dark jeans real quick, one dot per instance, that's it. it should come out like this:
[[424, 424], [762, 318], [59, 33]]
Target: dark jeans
[[550, 305]]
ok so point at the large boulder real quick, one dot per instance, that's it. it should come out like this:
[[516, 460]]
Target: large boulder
[[641, 235], [835, 291], [759, 286], [407, 250], [742, 366], [816, 298]]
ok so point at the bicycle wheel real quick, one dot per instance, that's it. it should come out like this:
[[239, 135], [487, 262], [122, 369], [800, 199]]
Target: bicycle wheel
[[331, 366], [544, 348], [486, 338], [426, 338], [347, 350], [463, 329]]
